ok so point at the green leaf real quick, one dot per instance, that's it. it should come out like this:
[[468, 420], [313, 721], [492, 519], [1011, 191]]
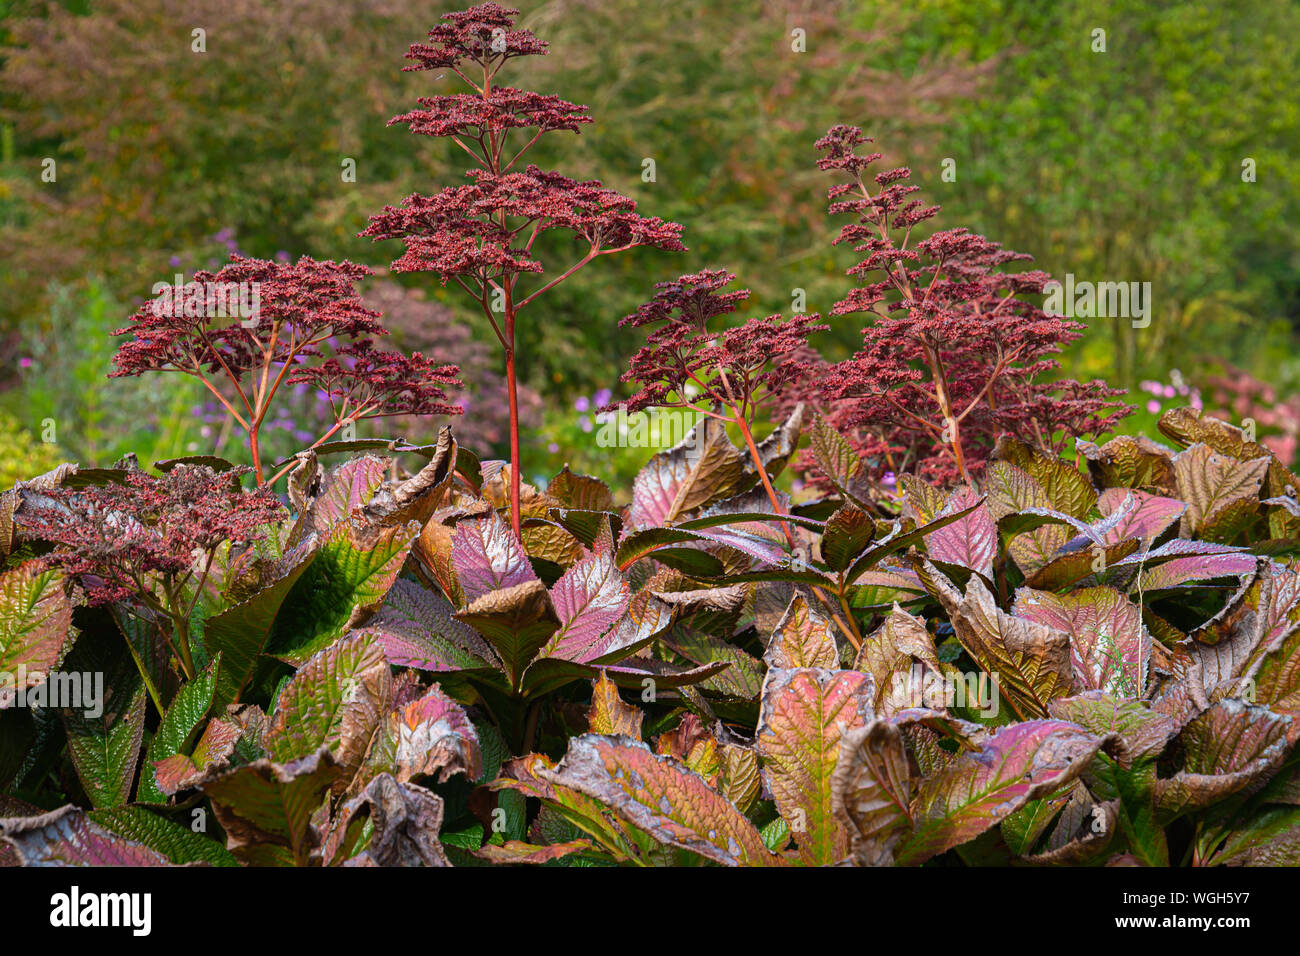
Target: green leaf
[[804, 713], [179, 844], [661, 797], [266, 808], [240, 633], [346, 582], [187, 710], [35, 625], [335, 702], [106, 749]]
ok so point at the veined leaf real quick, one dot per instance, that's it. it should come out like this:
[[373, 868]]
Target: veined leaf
[[344, 585], [703, 468], [980, 788], [434, 735], [179, 844], [802, 638], [608, 715], [803, 715], [178, 724], [589, 599], [1110, 648], [417, 628], [659, 796], [240, 633], [335, 702], [1209, 482], [1031, 660], [68, 837], [517, 621], [266, 808], [488, 557], [105, 750], [35, 626]]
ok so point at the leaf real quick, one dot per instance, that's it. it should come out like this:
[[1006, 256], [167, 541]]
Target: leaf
[[1270, 838], [703, 468], [742, 677], [1142, 731], [488, 557], [608, 714], [1231, 747], [179, 772], [661, 797], [179, 844], [187, 710], [35, 626], [68, 837], [1143, 515], [589, 599], [838, 462], [517, 621], [980, 788], [898, 656], [803, 714], [434, 735], [417, 628], [1031, 660], [802, 639], [1129, 461], [1110, 648], [971, 541], [240, 633], [517, 851], [848, 533], [1012, 492], [1067, 489], [346, 583], [1209, 482], [348, 488], [871, 792], [335, 702], [266, 808], [580, 492], [106, 749]]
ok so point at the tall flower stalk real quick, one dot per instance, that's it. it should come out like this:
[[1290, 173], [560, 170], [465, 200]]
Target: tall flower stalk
[[482, 235]]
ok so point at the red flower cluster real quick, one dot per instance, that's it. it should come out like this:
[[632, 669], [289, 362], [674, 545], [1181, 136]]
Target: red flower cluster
[[364, 383], [952, 355], [269, 328], [118, 537], [482, 234], [484, 34], [735, 368]]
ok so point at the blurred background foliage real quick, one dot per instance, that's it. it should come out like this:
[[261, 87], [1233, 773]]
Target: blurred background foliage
[[1117, 166]]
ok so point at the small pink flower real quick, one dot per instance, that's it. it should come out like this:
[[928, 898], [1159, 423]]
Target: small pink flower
[[1153, 407]]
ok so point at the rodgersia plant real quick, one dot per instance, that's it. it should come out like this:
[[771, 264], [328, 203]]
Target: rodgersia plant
[[482, 235], [296, 324], [147, 543], [954, 351], [386, 673]]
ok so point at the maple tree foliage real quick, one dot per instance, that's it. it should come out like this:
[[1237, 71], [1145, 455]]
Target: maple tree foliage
[[482, 235]]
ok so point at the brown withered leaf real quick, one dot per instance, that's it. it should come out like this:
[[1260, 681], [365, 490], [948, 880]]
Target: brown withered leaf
[[406, 820]]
